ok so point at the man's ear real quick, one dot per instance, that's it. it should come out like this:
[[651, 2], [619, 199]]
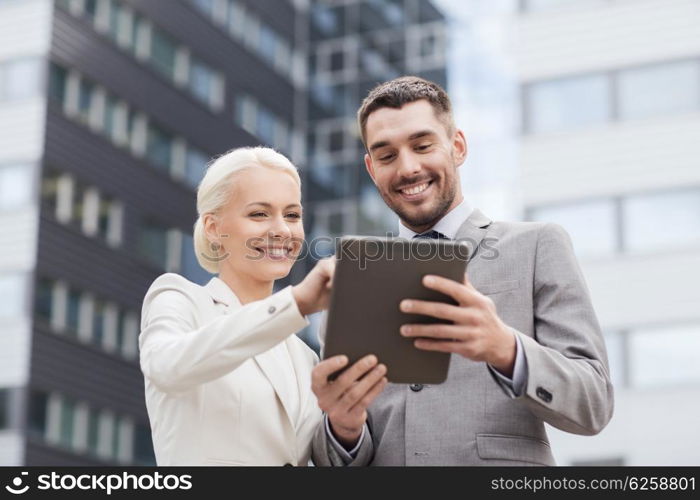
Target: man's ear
[[369, 166], [459, 147]]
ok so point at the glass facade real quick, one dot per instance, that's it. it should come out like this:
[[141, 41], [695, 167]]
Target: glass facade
[[572, 103], [631, 224]]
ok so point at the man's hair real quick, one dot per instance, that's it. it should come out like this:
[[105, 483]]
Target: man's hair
[[404, 90]]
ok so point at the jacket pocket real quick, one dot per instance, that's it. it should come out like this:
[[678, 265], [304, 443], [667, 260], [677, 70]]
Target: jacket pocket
[[498, 287], [515, 448]]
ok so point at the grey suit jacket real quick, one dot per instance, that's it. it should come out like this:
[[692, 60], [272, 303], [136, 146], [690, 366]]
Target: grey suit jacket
[[530, 272]]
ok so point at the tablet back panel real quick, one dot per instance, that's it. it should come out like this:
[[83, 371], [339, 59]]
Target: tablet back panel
[[372, 276]]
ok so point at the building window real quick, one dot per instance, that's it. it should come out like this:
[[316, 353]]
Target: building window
[[265, 126], [67, 425], [616, 346], [261, 122], [121, 25], [427, 46], [327, 19], [236, 19], [206, 6], [189, 266], [245, 27], [268, 44], [135, 34], [646, 220], [542, 5], [337, 139], [89, 319], [86, 93], [202, 81], [21, 79], [567, 103], [16, 186], [592, 225], [644, 92], [664, 356], [114, 126], [4, 409], [143, 447], [195, 167], [37, 414], [93, 432], [159, 147], [84, 429], [129, 334], [246, 113], [99, 318], [73, 312], [58, 77], [71, 202], [44, 300], [337, 60], [163, 53], [153, 243], [13, 294]]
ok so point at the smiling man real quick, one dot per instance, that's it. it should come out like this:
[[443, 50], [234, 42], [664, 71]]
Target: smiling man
[[526, 346]]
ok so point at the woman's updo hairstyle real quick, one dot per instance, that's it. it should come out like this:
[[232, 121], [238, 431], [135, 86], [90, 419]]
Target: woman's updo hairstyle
[[215, 188]]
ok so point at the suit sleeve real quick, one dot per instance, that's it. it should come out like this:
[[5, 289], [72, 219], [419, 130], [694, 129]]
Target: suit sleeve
[[568, 382], [324, 451], [177, 353]]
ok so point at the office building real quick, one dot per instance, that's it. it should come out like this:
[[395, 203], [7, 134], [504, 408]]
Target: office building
[[609, 149]]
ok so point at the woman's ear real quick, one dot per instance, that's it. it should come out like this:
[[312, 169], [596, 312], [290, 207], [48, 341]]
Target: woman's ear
[[211, 227]]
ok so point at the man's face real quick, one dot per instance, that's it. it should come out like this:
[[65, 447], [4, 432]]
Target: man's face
[[413, 162]]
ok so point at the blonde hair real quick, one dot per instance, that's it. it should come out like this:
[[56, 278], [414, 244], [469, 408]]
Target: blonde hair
[[215, 188]]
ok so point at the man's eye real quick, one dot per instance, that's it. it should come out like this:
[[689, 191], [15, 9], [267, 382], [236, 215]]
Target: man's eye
[[423, 147], [386, 157]]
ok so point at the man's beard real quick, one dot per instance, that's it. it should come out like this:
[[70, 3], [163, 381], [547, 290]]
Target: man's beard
[[429, 218]]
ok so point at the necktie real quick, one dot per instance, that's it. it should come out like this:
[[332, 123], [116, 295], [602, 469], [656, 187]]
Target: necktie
[[432, 234]]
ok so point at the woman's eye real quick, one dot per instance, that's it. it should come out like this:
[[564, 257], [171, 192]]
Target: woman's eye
[[294, 215], [258, 214]]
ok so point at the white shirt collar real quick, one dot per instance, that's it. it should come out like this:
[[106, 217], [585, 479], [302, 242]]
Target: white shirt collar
[[448, 225]]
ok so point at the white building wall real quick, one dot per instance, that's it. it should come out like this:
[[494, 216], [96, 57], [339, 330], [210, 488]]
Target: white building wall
[[616, 158], [11, 448], [620, 33], [25, 30], [650, 427]]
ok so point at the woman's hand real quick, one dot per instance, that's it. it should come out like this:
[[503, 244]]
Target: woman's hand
[[313, 293]]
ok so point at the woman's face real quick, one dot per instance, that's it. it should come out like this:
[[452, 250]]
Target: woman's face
[[260, 229]]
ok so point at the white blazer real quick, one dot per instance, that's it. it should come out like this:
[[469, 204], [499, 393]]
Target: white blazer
[[226, 384]]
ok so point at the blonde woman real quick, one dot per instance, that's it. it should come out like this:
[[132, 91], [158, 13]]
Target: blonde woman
[[227, 381]]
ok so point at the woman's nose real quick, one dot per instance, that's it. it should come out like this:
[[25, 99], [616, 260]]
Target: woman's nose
[[280, 228]]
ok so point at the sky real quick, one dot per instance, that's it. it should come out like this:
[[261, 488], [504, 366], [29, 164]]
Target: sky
[[484, 93]]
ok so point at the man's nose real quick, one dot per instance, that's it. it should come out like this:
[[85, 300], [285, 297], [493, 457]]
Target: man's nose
[[409, 165]]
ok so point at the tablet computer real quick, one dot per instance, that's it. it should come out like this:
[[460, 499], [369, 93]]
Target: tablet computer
[[372, 276]]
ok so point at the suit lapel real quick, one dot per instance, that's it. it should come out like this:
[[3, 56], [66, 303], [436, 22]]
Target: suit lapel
[[302, 370], [269, 364], [473, 230], [266, 361]]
